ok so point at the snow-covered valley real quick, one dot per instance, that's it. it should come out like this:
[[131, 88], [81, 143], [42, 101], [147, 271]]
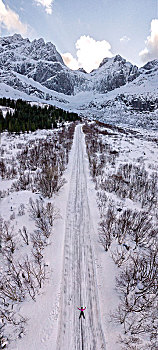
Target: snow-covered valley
[[117, 92], [80, 261]]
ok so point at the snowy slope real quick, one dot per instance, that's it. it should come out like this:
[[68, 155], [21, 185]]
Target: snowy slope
[[135, 103]]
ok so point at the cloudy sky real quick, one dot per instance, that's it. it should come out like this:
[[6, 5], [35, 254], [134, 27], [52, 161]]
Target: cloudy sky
[[86, 31]]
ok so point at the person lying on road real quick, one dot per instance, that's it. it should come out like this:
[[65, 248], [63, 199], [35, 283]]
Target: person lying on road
[[82, 313]]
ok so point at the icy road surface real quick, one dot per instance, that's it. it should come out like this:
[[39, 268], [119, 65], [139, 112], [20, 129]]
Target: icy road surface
[[79, 285]]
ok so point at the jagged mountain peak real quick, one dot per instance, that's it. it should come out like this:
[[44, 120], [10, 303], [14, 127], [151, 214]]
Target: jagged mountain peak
[[36, 49], [150, 65], [16, 37], [118, 59], [114, 72], [13, 41], [38, 42]]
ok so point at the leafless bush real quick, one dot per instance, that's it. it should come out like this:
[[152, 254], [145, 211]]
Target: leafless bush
[[133, 182], [23, 183], [8, 317], [130, 236], [9, 290], [45, 162], [135, 224], [37, 240], [49, 181], [102, 202], [24, 235], [95, 145], [33, 275], [21, 210], [3, 168], [38, 253], [28, 280], [119, 255], [138, 285], [52, 213], [39, 166], [107, 228], [43, 216], [8, 244]]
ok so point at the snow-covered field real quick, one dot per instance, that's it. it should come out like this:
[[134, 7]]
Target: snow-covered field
[[78, 270], [124, 167], [27, 256]]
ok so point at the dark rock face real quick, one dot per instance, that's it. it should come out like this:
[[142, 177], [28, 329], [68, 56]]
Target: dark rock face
[[118, 58], [82, 70], [139, 103], [150, 65], [142, 105], [61, 83], [104, 61]]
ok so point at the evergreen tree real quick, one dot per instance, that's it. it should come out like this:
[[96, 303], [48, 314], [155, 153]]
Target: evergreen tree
[[27, 117]]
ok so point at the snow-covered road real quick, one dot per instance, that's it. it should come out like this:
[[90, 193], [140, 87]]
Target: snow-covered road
[[79, 285]]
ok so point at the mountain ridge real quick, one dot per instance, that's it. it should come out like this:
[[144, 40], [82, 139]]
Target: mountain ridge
[[43, 63], [36, 69]]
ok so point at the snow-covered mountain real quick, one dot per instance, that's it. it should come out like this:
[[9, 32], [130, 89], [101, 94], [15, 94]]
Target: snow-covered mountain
[[41, 62], [36, 60], [36, 71]]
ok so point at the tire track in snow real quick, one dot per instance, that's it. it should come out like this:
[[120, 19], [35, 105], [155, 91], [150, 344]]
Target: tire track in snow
[[79, 285]]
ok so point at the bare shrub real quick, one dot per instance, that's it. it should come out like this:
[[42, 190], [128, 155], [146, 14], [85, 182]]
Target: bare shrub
[[24, 234], [138, 285], [43, 216], [21, 210], [130, 236], [45, 160], [133, 182], [8, 244], [107, 228], [3, 168]]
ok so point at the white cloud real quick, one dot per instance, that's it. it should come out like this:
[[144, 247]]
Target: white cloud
[[70, 61], [151, 43], [47, 5], [124, 39], [10, 20], [89, 53]]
